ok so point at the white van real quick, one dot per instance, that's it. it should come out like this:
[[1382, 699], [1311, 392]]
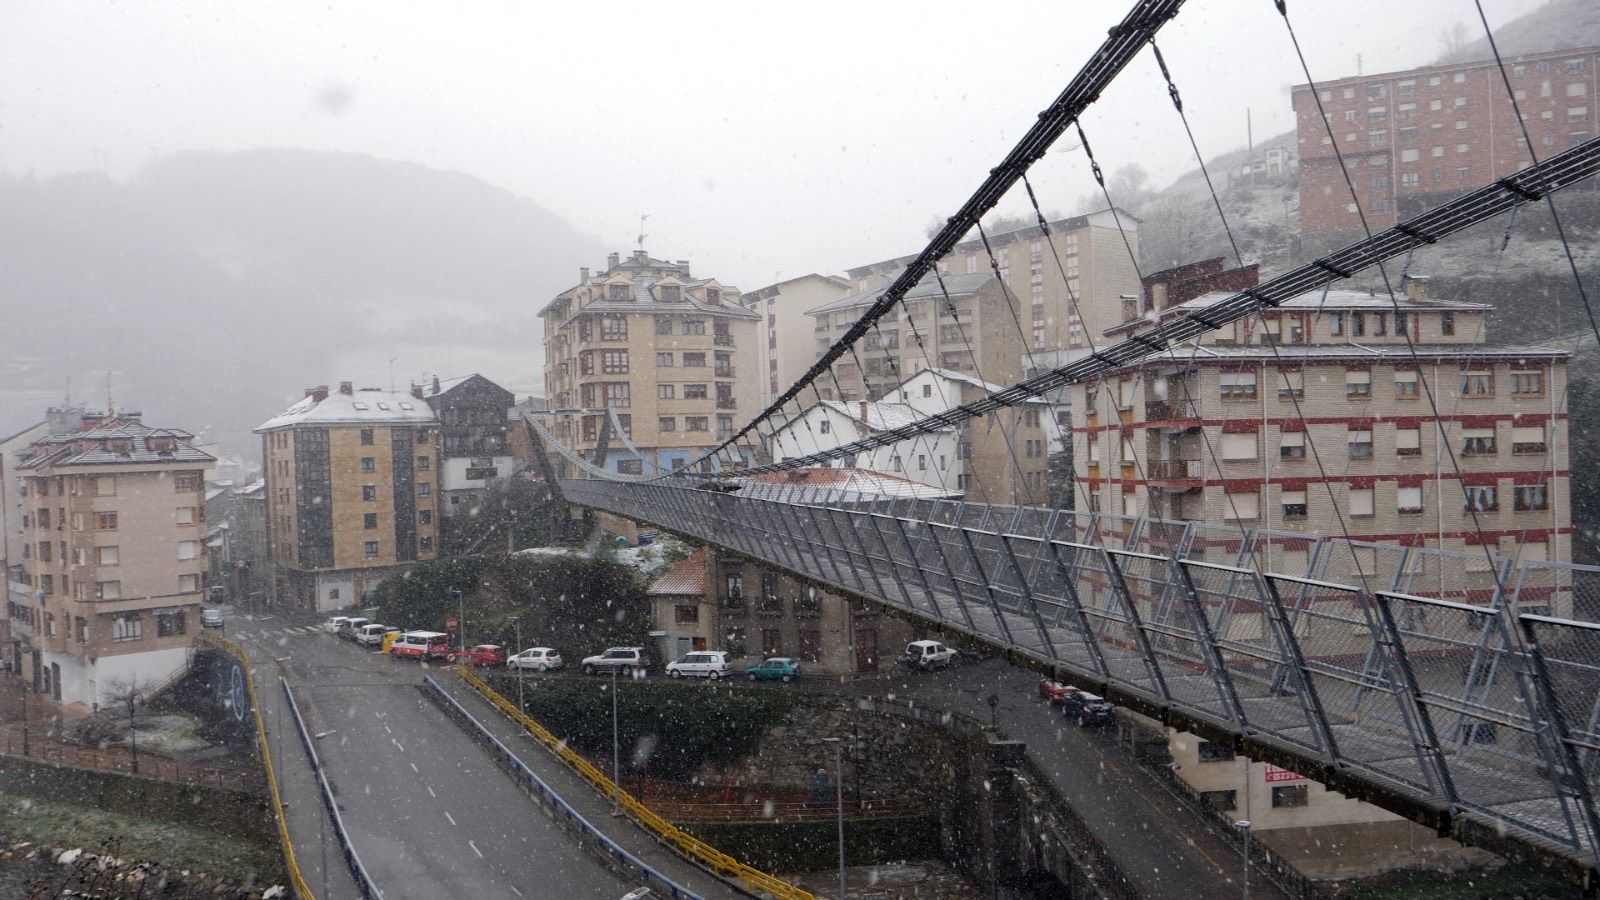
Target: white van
[[710, 664], [352, 627], [371, 634], [422, 645]]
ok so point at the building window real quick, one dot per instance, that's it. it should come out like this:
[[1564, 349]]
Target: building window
[[185, 482], [1236, 506], [1358, 384], [1359, 443], [824, 426], [1238, 385], [369, 464], [185, 515], [1239, 446], [1286, 796], [188, 584], [105, 556], [694, 392], [1405, 385], [424, 463], [425, 544], [424, 490], [617, 394], [1224, 801], [1292, 445], [1336, 323], [171, 624], [694, 360], [1212, 751], [663, 325], [666, 391], [1293, 384], [1527, 384], [1361, 502], [425, 517], [664, 360], [686, 614], [669, 293], [696, 423], [1477, 384], [613, 328], [127, 628], [369, 492], [369, 520], [1480, 498], [1407, 442], [1447, 323], [667, 423], [630, 467], [366, 436], [1527, 439], [1477, 441], [1408, 501], [619, 292], [614, 362], [1294, 504], [370, 548], [1529, 497], [694, 326]]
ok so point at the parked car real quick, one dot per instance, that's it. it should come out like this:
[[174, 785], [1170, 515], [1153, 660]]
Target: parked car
[[539, 659], [1055, 691], [1087, 709], [422, 645], [371, 634], [352, 627], [620, 659], [210, 617], [335, 624], [778, 668], [484, 655], [709, 664], [927, 655]]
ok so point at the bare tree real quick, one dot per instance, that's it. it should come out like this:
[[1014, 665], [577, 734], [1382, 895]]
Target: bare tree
[[1454, 38], [129, 693]]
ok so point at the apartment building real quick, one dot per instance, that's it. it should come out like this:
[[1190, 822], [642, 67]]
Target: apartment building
[[1414, 138], [352, 497], [1001, 458], [1319, 421], [114, 555], [1060, 305], [12, 509], [786, 335], [673, 357], [474, 441]]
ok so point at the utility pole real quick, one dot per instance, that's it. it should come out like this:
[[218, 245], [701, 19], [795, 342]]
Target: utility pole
[[461, 618], [838, 796], [520, 667], [616, 751]]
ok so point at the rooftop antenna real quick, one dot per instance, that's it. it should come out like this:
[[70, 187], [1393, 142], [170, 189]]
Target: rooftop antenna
[[109, 406], [642, 235], [68, 402]]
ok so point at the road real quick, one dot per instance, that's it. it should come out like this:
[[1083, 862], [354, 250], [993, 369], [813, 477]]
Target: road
[[429, 812], [1160, 843]]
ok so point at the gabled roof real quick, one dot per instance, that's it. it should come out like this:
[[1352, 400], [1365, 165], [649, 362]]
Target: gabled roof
[[686, 577], [645, 302], [963, 378], [91, 446], [363, 407]]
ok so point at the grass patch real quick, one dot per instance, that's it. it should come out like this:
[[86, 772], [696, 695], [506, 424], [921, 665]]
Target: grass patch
[[1509, 881], [175, 846]]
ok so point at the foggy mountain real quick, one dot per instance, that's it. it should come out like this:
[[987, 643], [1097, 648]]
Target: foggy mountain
[[216, 286], [1557, 25]]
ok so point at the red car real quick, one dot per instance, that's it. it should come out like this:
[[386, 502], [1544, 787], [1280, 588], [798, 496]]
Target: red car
[[484, 655], [1055, 691]]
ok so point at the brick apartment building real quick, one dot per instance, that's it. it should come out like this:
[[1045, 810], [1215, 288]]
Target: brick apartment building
[[1030, 288], [1414, 138], [114, 555], [351, 493], [674, 357], [1210, 433]]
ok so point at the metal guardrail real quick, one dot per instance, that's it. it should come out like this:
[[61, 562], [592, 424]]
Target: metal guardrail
[[613, 851], [297, 880], [685, 844], [364, 881]]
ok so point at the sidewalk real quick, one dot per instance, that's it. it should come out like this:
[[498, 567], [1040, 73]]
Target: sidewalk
[[582, 796]]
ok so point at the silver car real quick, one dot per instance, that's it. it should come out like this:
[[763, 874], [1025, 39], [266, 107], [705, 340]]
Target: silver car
[[537, 659]]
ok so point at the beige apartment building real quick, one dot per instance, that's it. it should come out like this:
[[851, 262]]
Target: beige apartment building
[[673, 357], [1211, 432], [786, 332], [114, 555], [1061, 306], [352, 493]]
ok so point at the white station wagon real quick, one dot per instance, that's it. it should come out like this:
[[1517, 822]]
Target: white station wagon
[[710, 664]]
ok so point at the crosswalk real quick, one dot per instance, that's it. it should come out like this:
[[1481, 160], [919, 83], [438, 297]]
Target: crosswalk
[[270, 631]]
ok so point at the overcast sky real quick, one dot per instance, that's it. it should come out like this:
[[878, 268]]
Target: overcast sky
[[762, 144]]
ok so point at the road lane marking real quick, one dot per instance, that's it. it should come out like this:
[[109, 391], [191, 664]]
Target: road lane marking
[[397, 744], [415, 769], [453, 821], [386, 729], [431, 793], [477, 851]]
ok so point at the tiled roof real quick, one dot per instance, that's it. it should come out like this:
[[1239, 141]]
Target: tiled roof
[[686, 577], [91, 446], [645, 302], [364, 407]]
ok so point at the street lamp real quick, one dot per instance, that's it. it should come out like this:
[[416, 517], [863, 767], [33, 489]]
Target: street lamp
[[1244, 825], [461, 618], [839, 804], [520, 667], [616, 751]]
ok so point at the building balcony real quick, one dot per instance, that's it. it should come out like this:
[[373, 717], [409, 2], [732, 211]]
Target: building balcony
[[723, 340], [1169, 410], [734, 603], [724, 372], [727, 404], [1174, 469], [769, 607]]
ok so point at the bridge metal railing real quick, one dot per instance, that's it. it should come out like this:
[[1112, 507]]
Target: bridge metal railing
[[297, 881], [364, 882], [1454, 688], [753, 880]]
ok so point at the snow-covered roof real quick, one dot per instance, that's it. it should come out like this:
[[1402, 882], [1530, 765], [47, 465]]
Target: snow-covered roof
[[114, 441], [964, 378], [1388, 353], [686, 577], [954, 285], [363, 407], [1343, 299], [876, 415]]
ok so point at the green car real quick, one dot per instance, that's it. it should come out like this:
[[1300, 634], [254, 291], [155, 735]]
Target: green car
[[778, 668]]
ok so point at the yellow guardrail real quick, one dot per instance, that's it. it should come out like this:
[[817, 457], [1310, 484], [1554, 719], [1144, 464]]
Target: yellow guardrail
[[297, 880], [684, 843]]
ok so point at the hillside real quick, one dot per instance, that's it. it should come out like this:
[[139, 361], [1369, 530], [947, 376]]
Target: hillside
[[214, 286], [1557, 25]]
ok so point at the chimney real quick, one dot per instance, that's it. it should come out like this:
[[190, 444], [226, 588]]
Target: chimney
[[613, 261], [318, 393], [436, 384], [416, 391], [583, 274], [347, 388], [1416, 288], [641, 256], [863, 410], [684, 265]]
